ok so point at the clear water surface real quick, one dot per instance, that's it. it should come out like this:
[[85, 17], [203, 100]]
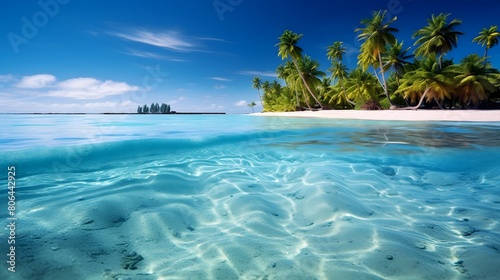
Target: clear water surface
[[246, 197]]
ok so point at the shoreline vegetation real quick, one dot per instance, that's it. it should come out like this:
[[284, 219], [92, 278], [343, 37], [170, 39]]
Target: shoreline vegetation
[[387, 75]]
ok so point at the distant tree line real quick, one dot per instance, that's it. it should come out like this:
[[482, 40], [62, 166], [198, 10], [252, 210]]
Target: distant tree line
[[155, 108]]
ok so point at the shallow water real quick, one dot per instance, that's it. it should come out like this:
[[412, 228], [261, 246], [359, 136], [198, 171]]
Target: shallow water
[[245, 197]]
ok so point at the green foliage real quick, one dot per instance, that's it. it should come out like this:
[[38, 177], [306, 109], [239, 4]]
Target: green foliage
[[376, 36], [278, 99], [384, 104], [438, 37], [306, 68], [488, 37], [428, 79], [362, 86], [431, 80], [475, 80]]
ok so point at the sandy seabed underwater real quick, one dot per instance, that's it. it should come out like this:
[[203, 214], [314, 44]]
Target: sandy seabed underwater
[[244, 197]]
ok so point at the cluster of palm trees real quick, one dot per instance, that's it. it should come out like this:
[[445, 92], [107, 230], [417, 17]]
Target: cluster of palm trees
[[394, 81]]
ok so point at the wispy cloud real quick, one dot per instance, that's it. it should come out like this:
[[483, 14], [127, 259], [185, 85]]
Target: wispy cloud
[[27, 106], [78, 88], [175, 101], [90, 88], [221, 79], [241, 103], [169, 40], [258, 73], [153, 55], [219, 87], [211, 39], [6, 78], [36, 81]]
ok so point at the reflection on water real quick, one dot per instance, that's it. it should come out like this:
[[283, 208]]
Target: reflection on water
[[430, 136]]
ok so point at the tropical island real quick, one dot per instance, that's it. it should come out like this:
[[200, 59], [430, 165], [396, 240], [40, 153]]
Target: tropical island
[[387, 76], [155, 108]]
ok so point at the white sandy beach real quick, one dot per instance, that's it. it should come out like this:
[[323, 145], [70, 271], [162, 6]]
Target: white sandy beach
[[398, 115]]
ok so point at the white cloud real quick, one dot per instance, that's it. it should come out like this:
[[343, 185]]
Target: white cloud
[[19, 106], [109, 105], [259, 73], [241, 103], [175, 101], [36, 81], [90, 88], [169, 40], [219, 87], [6, 78], [221, 79], [153, 55], [211, 39]]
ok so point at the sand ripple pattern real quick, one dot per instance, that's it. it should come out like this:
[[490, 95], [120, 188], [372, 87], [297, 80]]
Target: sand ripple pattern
[[378, 206]]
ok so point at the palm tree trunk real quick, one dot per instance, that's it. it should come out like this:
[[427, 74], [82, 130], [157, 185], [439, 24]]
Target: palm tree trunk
[[260, 98], [438, 103], [419, 102], [305, 99], [297, 98], [305, 83], [376, 75], [485, 55], [383, 78], [345, 93]]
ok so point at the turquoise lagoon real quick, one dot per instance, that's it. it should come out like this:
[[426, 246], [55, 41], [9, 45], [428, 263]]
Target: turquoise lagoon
[[247, 197]]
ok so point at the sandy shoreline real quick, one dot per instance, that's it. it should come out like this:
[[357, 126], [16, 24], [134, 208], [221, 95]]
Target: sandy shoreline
[[398, 115]]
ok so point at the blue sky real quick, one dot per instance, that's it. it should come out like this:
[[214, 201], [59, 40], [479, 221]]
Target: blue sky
[[197, 55]]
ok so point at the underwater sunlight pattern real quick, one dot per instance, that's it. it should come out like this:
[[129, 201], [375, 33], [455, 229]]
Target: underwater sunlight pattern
[[245, 197]]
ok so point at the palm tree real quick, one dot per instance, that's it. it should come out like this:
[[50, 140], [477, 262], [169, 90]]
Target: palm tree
[[376, 34], [252, 105], [362, 86], [396, 58], [324, 87], [288, 48], [310, 71], [438, 37], [488, 37], [311, 74], [257, 84], [338, 98], [278, 98], [475, 80], [287, 72], [430, 81], [340, 73], [336, 51]]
